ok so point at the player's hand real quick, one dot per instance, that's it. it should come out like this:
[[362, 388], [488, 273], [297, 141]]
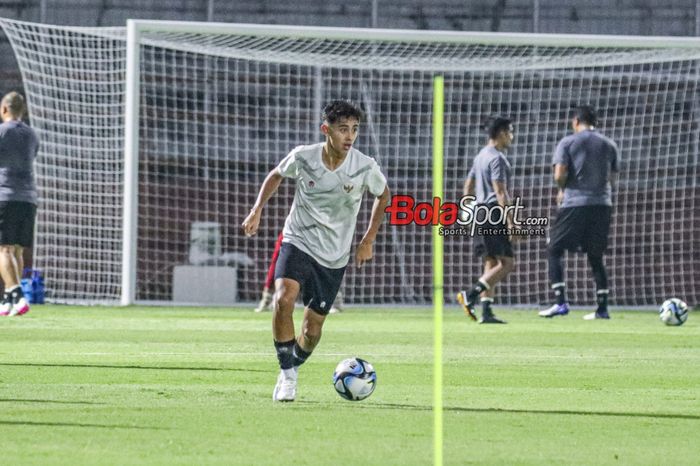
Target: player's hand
[[560, 197], [251, 223], [363, 253]]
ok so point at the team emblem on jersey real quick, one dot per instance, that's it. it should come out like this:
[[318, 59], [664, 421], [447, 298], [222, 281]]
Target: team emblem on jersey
[[311, 183], [347, 187]]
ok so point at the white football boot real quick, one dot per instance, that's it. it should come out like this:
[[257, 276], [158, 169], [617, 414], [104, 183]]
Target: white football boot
[[286, 387]]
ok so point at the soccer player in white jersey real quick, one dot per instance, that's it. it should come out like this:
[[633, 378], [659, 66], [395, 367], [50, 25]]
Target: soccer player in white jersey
[[331, 178]]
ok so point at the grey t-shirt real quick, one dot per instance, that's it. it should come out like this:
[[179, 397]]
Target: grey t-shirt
[[589, 157], [18, 148], [489, 165]]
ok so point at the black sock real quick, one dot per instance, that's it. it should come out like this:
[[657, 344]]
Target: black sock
[[285, 353], [486, 307], [559, 293], [16, 293], [601, 299], [300, 355], [7, 297], [477, 289]]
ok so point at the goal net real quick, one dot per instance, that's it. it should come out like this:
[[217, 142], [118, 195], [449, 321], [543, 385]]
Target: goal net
[[220, 105]]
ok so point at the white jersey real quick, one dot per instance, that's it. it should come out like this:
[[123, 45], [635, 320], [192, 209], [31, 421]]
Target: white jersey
[[322, 219]]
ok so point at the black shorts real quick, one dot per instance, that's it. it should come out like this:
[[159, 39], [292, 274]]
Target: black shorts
[[319, 284], [17, 223], [581, 229], [492, 243]]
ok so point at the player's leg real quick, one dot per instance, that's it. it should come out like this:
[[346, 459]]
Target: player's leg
[[498, 263], [265, 303], [20, 305], [601, 284], [595, 245], [286, 293], [498, 269], [319, 294], [18, 231], [309, 336], [8, 273], [565, 235], [289, 281]]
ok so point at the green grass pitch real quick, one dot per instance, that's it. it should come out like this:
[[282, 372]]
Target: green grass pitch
[[100, 385]]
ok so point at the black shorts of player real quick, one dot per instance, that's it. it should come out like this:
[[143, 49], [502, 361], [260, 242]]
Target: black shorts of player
[[581, 229], [319, 284], [490, 243], [17, 223]]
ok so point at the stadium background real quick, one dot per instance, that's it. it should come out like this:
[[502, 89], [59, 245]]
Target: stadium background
[[620, 17]]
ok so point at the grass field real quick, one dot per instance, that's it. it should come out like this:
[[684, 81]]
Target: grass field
[[571, 392], [193, 387], [100, 385]]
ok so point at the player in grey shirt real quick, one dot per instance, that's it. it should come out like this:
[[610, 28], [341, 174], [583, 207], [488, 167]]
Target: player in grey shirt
[[583, 165], [18, 198], [490, 179], [331, 178]]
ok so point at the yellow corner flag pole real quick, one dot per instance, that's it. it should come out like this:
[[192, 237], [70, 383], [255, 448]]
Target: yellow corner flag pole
[[438, 109]]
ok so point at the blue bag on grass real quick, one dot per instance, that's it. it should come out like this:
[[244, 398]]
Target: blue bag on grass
[[33, 286]]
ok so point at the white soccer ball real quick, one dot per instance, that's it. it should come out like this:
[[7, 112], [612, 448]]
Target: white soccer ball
[[354, 379], [673, 312]]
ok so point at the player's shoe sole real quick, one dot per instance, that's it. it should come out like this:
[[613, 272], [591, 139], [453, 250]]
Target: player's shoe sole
[[466, 306]]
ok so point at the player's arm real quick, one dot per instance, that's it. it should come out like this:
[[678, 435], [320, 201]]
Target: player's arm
[[268, 188], [561, 174], [470, 183], [469, 186], [503, 199], [364, 249]]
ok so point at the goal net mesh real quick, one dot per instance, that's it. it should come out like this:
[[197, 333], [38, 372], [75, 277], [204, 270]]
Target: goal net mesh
[[219, 111]]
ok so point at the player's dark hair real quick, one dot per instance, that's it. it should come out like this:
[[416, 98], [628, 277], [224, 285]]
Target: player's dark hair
[[586, 115], [15, 104], [495, 125], [337, 109]]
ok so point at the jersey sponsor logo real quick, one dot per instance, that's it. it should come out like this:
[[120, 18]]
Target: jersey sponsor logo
[[347, 187]]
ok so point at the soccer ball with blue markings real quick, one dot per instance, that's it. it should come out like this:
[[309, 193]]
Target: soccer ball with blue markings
[[673, 312], [354, 379]]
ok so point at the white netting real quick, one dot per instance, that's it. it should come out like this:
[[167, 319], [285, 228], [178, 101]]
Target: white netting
[[218, 111]]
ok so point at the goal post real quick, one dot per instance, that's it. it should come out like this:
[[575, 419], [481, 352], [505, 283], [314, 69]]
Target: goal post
[[206, 110], [131, 163]]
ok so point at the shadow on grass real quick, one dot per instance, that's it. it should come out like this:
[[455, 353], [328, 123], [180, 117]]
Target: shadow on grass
[[409, 407], [18, 400], [77, 424], [691, 417], [153, 368], [371, 405]]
